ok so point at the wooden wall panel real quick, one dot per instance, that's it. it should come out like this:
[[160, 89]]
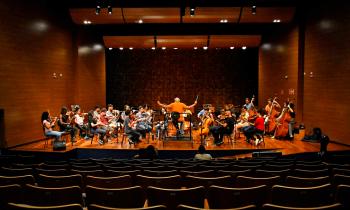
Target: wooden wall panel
[[327, 56], [278, 67], [144, 76]]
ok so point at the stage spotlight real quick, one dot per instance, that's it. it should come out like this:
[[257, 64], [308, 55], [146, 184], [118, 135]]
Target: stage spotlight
[[131, 48], [192, 11], [254, 10], [205, 48], [98, 10], [153, 48], [244, 47], [109, 9], [231, 48], [195, 48], [110, 48], [163, 48], [121, 48]]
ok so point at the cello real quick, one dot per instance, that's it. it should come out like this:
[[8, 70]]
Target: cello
[[282, 123]]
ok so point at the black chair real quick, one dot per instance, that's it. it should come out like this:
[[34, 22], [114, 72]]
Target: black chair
[[159, 173], [10, 193], [185, 207], [171, 182], [272, 167], [131, 197], [54, 166], [273, 206], [310, 173], [207, 173], [171, 198], [109, 182], [52, 172], [98, 207], [60, 181], [14, 206], [340, 179], [43, 196], [223, 181], [341, 171], [243, 181], [302, 197], [21, 180], [16, 171], [225, 198], [293, 181], [268, 173], [343, 195]]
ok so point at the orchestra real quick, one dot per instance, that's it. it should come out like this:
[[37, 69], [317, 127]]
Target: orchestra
[[108, 123]]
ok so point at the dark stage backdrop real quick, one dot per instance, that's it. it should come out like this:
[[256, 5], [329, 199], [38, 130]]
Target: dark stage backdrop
[[144, 76]]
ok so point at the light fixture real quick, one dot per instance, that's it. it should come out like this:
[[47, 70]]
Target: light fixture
[[121, 48], [254, 10], [131, 48], [153, 48], [140, 21], [223, 21], [244, 47], [109, 9], [87, 22], [98, 10], [192, 11], [175, 48], [163, 48], [195, 48], [231, 48], [276, 20], [110, 48], [205, 48]]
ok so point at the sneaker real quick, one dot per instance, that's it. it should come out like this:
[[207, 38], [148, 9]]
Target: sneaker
[[272, 137], [130, 141], [100, 142], [256, 142]]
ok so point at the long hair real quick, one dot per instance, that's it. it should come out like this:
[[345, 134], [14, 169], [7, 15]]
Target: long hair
[[45, 116]]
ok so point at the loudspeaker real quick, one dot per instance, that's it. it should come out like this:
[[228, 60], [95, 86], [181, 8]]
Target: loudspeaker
[[267, 154]]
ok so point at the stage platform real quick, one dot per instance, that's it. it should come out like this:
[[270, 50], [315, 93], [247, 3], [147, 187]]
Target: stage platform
[[175, 149]]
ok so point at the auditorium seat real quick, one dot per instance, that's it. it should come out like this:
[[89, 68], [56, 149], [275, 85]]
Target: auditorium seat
[[331, 206], [302, 197], [85, 168], [52, 172], [223, 181], [272, 167], [151, 168], [171, 198], [20, 180], [234, 174], [109, 182], [340, 179], [245, 167], [345, 172], [54, 166], [320, 166], [60, 181], [14, 206], [10, 193], [310, 173], [185, 207], [343, 195], [293, 181], [207, 173], [243, 181], [98, 207], [16, 171], [43, 196], [118, 168], [226, 198], [268, 173], [216, 167], [131, 197], [159, 173], [171, 182]]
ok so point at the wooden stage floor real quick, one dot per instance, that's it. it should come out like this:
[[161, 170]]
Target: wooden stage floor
[[287, 147]]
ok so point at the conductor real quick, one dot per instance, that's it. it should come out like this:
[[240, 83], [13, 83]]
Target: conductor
[[177, 108]]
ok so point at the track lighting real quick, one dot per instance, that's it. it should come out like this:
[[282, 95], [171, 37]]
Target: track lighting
[[254, 10], [109, 9]]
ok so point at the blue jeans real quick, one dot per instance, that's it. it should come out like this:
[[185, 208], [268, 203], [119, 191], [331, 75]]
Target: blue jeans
[[56, 134], [291, 127]]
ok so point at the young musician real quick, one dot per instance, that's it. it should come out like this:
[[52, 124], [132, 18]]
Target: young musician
[[48, 124], [292, 119], [177, 108], [64, 123], [129, 124], [243, 119], [225, 127], [79, 122], [249, 103], [256, 129], [96, 126]]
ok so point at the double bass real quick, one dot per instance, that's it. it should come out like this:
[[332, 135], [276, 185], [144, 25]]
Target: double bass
[[282, 123], [271, 118]]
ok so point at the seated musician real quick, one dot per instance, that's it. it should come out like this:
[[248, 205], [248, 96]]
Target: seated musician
[[97, 112], [105, 123], [96, 127], [243, 120], [130, 127], [225, 127], [79, 123], [255, 130], [161, 126], [249, 103], [113, 117], [65, 125], [143, 124], [292, 120], [48, 124], [177, 108]]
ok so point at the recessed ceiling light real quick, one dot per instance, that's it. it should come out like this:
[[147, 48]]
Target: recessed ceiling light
[[205, 48], [140, 21], [232, 48], [131, 48], [163, 48], [87, 22], [192, 9], [110, 48], [195, 48], [175, 48], [153, 48], [121, 48], [276, 20], [223, 21], [244, 47]]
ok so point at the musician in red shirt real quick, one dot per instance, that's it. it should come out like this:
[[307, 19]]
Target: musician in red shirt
[[255, 130]]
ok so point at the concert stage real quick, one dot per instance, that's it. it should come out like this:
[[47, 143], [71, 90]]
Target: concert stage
[[175, 149]]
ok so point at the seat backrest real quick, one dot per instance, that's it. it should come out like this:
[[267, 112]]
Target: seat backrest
[[224, 181], [131, 197], [54, 166], [243, 181], [341, 171], [10, 193], [273, 206], [20, 180], [171, 198], [60, 181], [159, 173], [226, 198], [310, 173], [302, 197], [16, 171], [109, 182], [206, 173], [52, 172], [268, 173], [43, 196], [272, 167], [235, 173], [171, 182], [185, 207], [343, 195], [99, 207], [293, 181], [340, 179], [14, 206]]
